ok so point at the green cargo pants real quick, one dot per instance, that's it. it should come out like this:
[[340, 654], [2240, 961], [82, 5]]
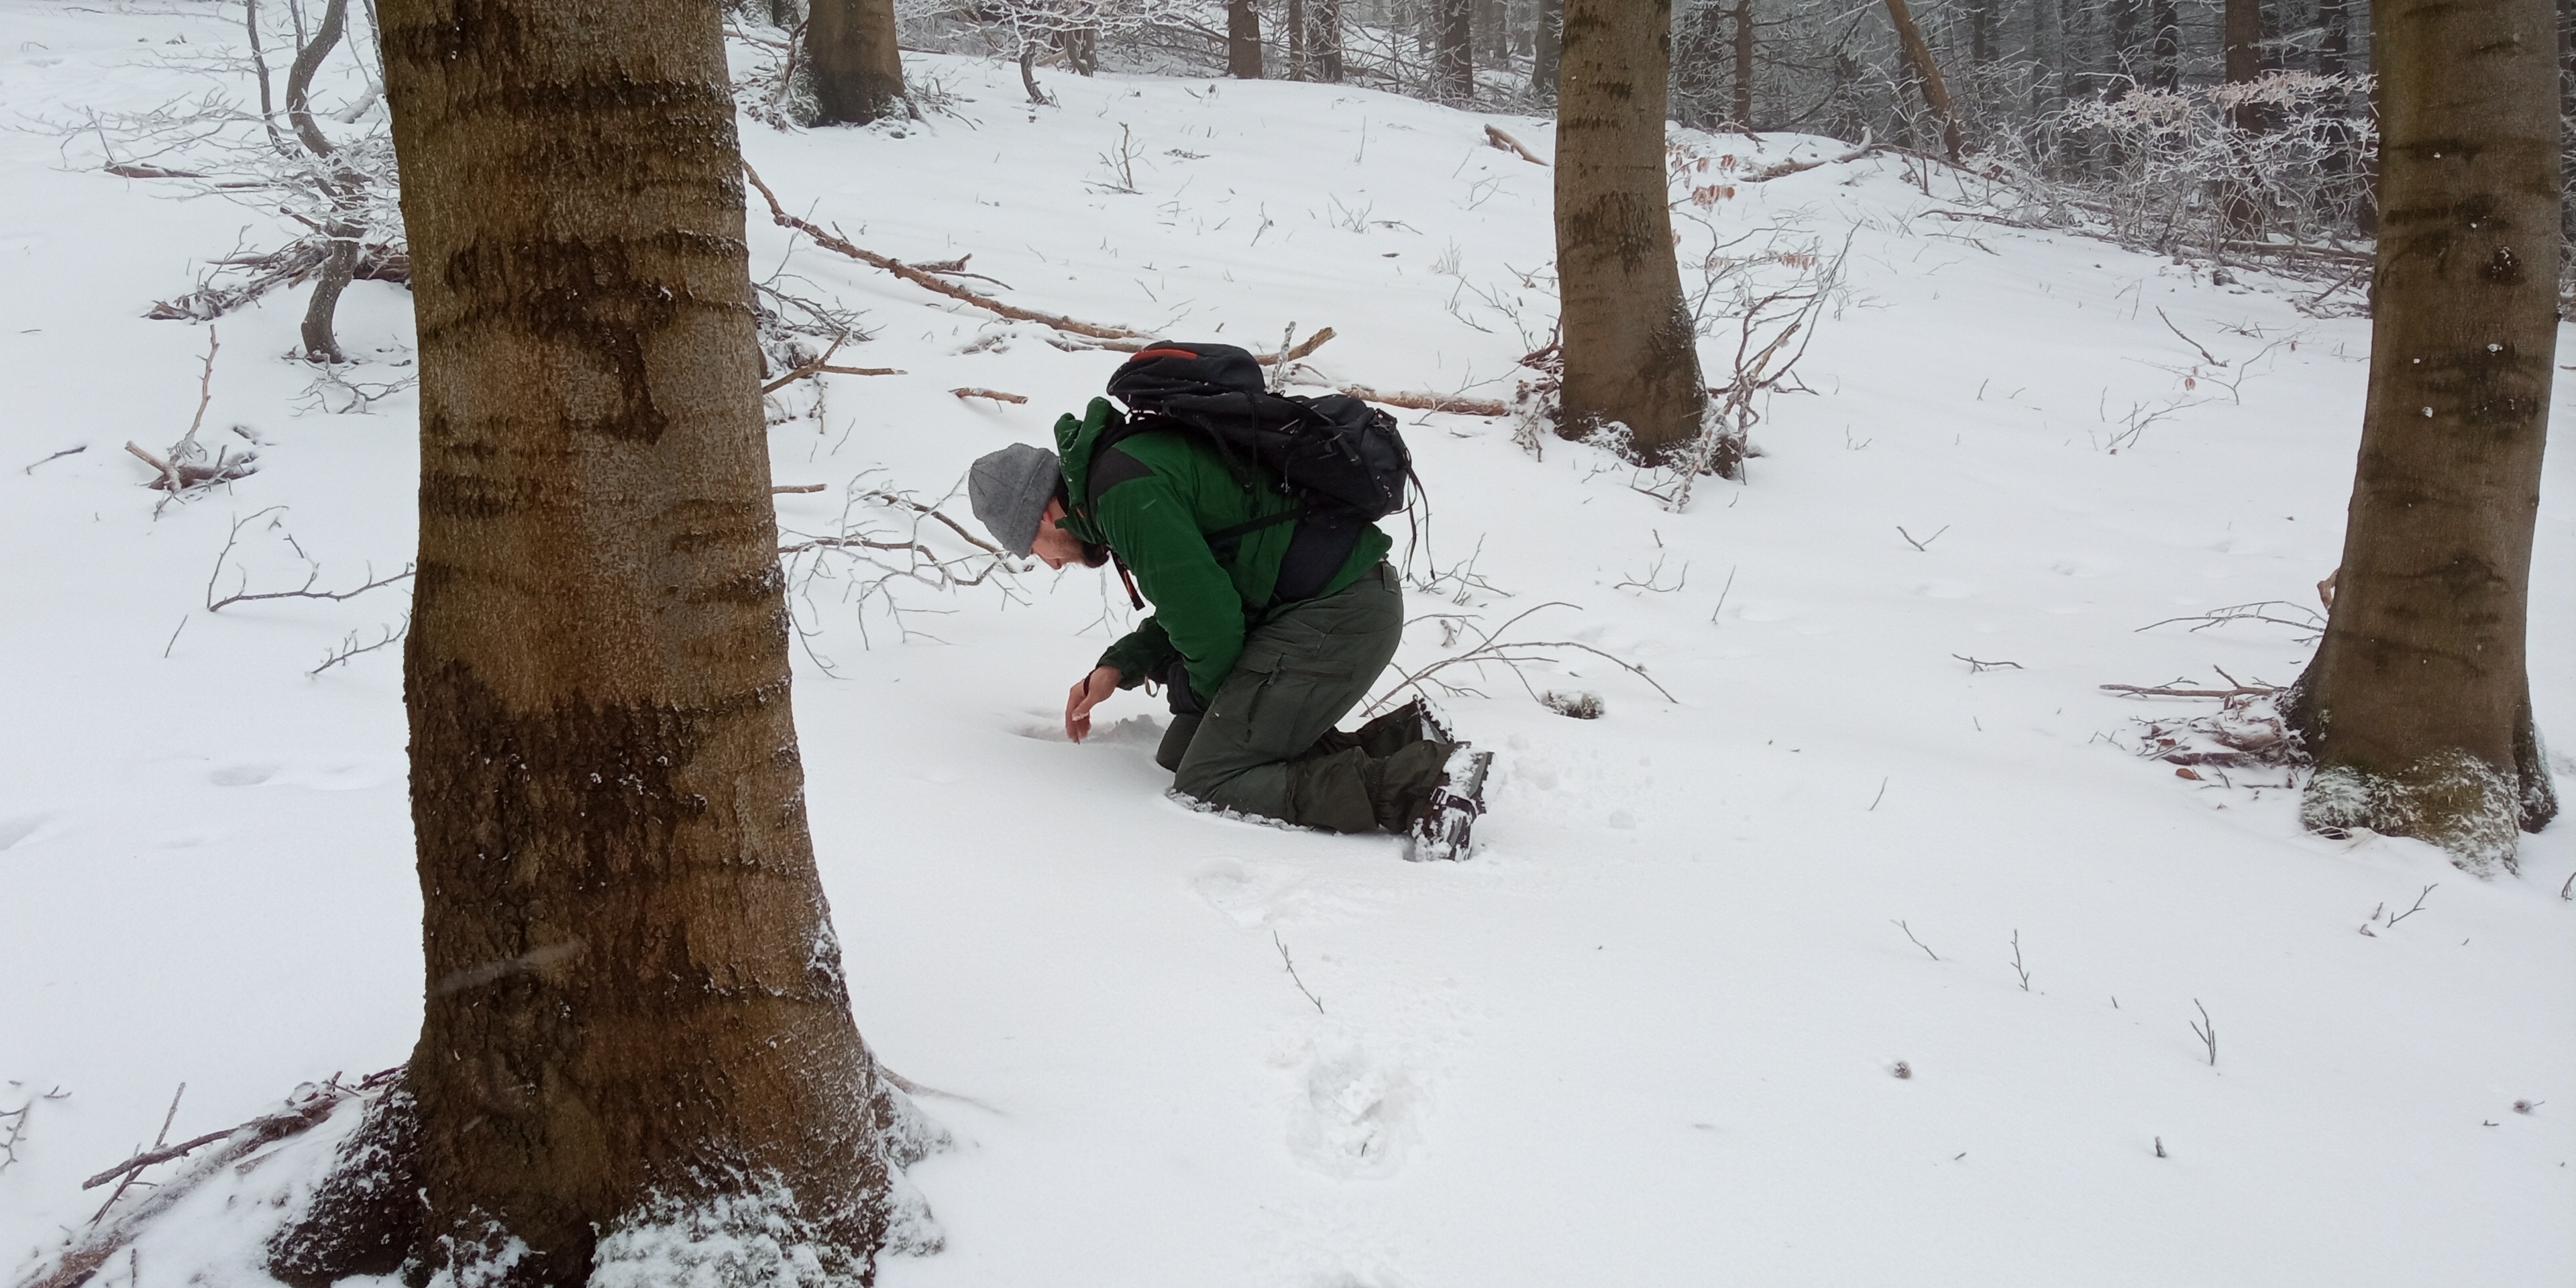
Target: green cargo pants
[[1265, 745]]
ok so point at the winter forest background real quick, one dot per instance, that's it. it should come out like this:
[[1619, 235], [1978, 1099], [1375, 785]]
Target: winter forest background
[[1908, 857]]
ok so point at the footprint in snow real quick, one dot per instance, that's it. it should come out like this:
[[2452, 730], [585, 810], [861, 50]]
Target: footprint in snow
[[1354, 1115]]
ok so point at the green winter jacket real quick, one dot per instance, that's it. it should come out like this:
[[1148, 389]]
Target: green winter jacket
[[1165, 490]]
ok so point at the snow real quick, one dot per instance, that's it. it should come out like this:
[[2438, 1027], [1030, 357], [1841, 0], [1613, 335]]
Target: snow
[[1647, 1035]]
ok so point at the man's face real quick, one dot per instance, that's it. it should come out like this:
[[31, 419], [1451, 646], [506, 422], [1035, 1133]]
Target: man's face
[[1053, 544]]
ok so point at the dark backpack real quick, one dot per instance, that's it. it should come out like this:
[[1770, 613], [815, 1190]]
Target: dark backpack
[[1342, 456]]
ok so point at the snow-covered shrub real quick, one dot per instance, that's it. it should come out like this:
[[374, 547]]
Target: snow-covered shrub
[[2175, 169]]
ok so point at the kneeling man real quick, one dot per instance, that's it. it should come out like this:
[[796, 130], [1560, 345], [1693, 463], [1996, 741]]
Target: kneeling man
[[1269, 625]]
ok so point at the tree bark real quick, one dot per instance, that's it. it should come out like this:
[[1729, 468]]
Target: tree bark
[[1300, 66], [2241, 62], [1324, 43], [1927, 75], [1453, 57], [1548, 46], [1742, 108], [858, 72], [1242, 40], [1630, 351], [2417, 706], [635, 1018]]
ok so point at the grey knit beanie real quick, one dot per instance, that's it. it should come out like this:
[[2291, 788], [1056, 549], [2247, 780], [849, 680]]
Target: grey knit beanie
[[1010, 490]]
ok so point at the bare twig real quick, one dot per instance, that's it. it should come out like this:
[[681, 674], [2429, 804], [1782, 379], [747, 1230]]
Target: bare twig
[[1925, 544], [68, 451], [1909, 938], [304, 591], [350, 647], [1493, 648], [2419, 905], [2207, 1031], [2018, 968], [1291, 964], [823, 366], [1979, 664], [969, 391], [2206, 356], [15, 1132], [2253, 612], [1874, 800]]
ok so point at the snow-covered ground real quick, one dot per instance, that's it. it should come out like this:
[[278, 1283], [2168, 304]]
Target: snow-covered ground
[[1650, 1035]]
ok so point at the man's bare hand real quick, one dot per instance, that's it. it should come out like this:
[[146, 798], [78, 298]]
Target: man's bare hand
[[1089, 692]]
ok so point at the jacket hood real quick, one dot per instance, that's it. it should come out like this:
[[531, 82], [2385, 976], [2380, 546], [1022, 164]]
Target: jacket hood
[[1074, 441]]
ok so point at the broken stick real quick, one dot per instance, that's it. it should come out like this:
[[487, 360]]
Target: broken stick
[[996, 395], [1507, 143]]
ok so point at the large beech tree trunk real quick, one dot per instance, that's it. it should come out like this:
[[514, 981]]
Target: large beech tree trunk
[[2416, 706], [635, 1017], [1629, 351], [858, 72]]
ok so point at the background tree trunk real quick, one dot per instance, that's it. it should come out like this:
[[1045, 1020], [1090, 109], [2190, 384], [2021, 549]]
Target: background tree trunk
[[1927, 75], [858, 72], [319, 337], [634, 1012], [1453, 56], [1242, 40], [2417, 706], [1324, 43], [1742, 107], [1630, 355], [2241, 61], [1300, 65], [2164, 45], [1548, 46]]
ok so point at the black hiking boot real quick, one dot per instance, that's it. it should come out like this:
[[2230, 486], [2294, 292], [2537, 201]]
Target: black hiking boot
[[1442, 824]]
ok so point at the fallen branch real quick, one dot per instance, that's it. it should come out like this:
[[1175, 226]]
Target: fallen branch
[[150, 172], [1304, 347], [1786, 168], [169, 473], [1980, 664], [969, 391], [2176, 690], [308, 1108], [1507, 143], [834, 242], [1430, 402], [1309, 345], [797, 487]]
